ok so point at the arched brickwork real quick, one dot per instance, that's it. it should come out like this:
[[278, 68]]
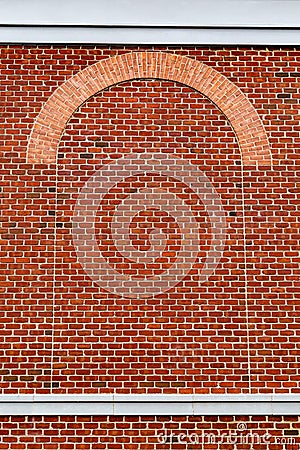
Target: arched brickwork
[[51, 121]]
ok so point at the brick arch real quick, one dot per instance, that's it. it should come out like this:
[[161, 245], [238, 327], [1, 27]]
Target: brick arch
[[51, 121]]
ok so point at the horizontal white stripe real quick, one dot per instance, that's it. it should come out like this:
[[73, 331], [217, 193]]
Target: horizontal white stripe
[[148, 36], [139, 405]]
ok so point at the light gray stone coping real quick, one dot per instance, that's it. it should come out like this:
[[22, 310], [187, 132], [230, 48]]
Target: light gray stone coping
[[141, 405], [147, 36]]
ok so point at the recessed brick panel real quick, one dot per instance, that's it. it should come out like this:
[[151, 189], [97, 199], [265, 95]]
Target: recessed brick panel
[[179, 340]]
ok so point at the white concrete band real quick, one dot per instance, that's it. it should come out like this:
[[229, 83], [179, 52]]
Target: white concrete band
[[169, 22], [147, 35], [183, 13], [138, 405]]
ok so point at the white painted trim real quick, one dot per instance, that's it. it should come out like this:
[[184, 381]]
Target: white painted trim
[[147, 35], [139, 405], [184, 13]]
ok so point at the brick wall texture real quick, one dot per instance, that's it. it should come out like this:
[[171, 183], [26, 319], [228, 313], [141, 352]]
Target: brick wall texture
[[232, 113]]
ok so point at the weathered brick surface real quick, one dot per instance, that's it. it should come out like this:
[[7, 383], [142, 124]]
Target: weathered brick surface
[[62, 333]]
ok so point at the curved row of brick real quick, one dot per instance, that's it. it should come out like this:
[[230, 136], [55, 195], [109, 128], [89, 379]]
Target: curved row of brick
[[50, 123]]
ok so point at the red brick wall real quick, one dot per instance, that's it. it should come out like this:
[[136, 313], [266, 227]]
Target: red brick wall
[[236, 333], [159, 433]]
